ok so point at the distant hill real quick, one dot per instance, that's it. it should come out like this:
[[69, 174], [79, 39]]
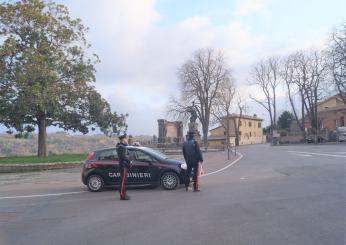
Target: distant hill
[[59, 143]]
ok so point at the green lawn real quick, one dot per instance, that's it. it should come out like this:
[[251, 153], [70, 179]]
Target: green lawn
[[49, 159]]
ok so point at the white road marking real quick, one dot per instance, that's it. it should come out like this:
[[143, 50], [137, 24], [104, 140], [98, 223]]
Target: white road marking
[[303, 155], [334, 152], [44, 195], [319, 154], [226, 167]]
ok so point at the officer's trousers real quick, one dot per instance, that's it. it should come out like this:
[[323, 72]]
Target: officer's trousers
[[195, 177], [123, 181]]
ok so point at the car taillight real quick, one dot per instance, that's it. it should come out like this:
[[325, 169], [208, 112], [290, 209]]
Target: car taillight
[[91, 154]]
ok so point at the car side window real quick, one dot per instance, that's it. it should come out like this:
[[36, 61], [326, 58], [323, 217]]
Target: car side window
[[132, 154], [109, 155], [143, 157]]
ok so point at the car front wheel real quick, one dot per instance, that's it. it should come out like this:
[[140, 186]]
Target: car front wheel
[[169, 180], [95, 183]]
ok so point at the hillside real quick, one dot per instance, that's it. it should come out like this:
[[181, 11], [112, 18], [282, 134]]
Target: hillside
[[58, 143]]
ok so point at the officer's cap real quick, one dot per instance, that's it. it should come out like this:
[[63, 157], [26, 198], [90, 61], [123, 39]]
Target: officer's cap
[[191, 133], [122, 136]]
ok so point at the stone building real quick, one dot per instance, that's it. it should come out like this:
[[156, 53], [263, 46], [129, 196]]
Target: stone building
[[250, 131], [170, 132], [331, 114]]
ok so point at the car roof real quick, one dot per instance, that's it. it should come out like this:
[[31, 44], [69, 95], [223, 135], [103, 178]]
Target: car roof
[[113, 148]]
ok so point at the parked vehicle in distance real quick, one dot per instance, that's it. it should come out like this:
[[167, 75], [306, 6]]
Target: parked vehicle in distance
[[312, 139], [149, 167], [341, 134]]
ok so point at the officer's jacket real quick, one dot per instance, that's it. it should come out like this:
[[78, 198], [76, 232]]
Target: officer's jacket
[[192, 152], [123, 155]]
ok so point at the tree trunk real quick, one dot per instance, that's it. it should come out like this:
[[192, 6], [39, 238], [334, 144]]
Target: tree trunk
[[42, 138], [236, 126], [227, 130], [274, 108], [271, 118], [300, 125], [303, 115], [205, 136]]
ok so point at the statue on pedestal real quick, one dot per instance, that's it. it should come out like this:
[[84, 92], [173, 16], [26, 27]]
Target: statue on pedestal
[[193, 112], [193, 126]]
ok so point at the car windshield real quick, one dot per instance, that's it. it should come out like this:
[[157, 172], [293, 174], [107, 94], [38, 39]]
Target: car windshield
[[155, 153]]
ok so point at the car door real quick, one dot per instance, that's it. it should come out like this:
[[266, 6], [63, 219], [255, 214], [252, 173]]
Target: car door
[[143, 170], [108, 165]]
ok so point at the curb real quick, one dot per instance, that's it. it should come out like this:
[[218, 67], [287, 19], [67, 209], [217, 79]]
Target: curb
[[310, 144], [17, 168]]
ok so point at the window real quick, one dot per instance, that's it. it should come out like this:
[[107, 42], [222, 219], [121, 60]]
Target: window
[[240, 123], [250, 124], [224, 132], [142, 157], [342, 121], [259, 125], [322, 124], [336, 123], [108, 155], [239, 133], [250, 134]]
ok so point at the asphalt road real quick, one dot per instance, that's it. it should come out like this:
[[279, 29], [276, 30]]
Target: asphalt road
[[272, 196]]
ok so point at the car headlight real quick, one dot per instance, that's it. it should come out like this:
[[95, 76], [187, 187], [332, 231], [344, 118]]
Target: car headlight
[[183, 166]]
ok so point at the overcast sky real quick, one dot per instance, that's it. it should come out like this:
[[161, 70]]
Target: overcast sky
[[141, 43]]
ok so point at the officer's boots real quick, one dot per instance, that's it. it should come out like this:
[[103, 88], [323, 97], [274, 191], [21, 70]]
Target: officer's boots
[[125, 198]]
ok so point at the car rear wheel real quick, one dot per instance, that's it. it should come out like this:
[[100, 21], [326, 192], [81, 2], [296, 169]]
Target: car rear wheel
[[95, 183], [169, 180]]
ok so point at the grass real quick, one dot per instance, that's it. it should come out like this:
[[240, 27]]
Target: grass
[[49, 159]]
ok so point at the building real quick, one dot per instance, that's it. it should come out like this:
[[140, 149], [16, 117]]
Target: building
[[250, 131], [331, 114], [170, 132]]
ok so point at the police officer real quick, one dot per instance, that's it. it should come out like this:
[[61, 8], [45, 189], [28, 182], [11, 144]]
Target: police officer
[[193, 156], [124, 165]]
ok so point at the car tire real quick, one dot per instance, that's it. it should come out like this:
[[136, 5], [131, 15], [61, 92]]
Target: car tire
[[169, 180], [95, 183]]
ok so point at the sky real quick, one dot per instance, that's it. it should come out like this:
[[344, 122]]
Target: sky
[[142, 43]]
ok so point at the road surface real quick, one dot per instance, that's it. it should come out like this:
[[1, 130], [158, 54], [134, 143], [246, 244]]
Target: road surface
[[273, 195]]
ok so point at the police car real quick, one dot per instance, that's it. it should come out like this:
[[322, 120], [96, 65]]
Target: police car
[[149, 167]]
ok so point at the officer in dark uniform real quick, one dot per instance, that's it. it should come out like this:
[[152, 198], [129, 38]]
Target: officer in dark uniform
[[124, 165], [193, 156]]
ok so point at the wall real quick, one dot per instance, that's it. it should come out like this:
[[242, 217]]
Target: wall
[[172, 131], [330, 103], [328, 119], [217, 131], [249, 134]]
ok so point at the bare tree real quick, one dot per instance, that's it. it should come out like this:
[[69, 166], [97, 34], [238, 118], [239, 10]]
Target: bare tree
[[337, 60], [288, 74], [223, 106], [304, 73], [265, 75], [201, 78], [241, 108], [310, 74]]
